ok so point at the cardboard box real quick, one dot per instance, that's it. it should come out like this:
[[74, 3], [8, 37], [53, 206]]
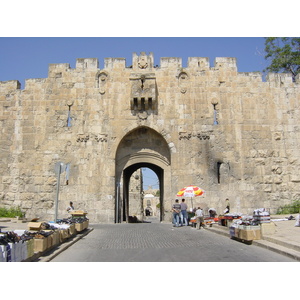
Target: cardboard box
[[250, 234], [40, 245], [79, 227], [78, 213], [34, 226], [55, 237], [63, 234], [86, 224], [72, 229], [30, 247]]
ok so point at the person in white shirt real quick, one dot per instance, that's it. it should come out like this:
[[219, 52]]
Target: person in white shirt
[[200, 219], [71, 207]]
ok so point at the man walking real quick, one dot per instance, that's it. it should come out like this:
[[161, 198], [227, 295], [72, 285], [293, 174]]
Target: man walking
[[200, 219], [227, 206], [176, 208], [184, 216]]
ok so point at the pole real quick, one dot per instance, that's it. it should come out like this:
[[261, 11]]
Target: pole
[[117, 203], [57, 192]]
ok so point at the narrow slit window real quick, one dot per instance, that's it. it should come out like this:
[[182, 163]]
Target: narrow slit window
[[219, 171], [69, 117], [215, 115], [150, 103], [135, 103], [143, 104]]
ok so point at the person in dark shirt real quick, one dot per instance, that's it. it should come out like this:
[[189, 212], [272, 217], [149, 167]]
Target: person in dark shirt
[[183, 215], [176, 209]]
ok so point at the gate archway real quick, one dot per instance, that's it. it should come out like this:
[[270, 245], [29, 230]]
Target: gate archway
[[142, 147]]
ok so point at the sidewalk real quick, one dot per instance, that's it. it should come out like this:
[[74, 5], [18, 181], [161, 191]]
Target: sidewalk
[[285, 240]]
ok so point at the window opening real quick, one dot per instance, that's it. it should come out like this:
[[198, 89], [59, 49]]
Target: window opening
[[69, 117], [219, 171], [135, 103], [150, 103], [143, 104], [215, 115]]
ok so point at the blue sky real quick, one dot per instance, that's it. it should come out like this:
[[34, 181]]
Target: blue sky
[[28, 57]]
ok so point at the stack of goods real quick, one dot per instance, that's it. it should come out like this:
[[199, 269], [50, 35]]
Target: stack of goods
[[231, 216], [227, 219], [80, 220], [245, 229], [15, 247], [65, 228], [261, 215]]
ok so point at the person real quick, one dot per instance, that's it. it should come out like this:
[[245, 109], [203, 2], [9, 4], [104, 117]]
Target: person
[[200, 218], [227, 206], [212, 212], [184, 216], [176, 208], [71, 207]]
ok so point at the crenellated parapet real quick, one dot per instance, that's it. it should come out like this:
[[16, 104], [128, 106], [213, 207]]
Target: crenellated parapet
[[143, 67]]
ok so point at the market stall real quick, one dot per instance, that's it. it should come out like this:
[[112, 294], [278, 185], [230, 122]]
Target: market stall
[[227, 219], [40, 237]]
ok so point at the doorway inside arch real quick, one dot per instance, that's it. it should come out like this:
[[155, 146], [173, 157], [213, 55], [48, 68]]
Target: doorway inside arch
[[142, 199]]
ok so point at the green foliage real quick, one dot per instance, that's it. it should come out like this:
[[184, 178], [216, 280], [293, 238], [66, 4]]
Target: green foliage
[[11, 212], [284, 54], [293, 208]]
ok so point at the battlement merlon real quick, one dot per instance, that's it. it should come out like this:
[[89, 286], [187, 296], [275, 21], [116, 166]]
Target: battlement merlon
[[114, 63], [225, 63], [199, 62], [10, 85], [56, 70]]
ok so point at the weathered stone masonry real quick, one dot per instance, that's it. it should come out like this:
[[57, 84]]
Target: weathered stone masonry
[[228, 132]]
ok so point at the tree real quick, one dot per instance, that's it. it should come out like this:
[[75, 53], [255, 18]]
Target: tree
[[284, 54]]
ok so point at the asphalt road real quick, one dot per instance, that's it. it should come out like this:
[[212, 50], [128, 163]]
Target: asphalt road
[[155, 242]]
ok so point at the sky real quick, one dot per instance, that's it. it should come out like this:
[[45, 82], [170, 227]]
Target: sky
[[28, 57]]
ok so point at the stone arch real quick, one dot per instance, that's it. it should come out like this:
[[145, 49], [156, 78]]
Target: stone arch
[[141, 147]]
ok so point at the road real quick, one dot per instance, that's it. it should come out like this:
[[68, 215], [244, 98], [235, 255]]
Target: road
[[156, 242]]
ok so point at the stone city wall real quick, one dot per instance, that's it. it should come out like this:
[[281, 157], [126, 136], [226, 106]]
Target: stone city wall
[[231, 133]]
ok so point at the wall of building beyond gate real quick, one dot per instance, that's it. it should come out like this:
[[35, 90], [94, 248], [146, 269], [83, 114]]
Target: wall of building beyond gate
[[229, 132]]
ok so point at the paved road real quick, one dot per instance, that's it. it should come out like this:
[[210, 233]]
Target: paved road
[[155, 242]]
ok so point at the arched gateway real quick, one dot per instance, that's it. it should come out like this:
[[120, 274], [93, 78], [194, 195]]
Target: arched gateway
[[142, 147]]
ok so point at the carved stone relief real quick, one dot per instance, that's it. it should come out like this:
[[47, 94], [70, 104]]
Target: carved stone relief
[[188, 135], [102, 81], [102, 137], [183, 79], [143, 64]]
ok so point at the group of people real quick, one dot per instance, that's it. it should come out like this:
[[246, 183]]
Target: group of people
[[180, 216]]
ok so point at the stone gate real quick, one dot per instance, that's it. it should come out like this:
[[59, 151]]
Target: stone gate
[[230, 133]]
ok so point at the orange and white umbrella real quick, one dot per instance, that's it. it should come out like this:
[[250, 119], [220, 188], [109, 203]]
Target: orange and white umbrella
[[190, 191]]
